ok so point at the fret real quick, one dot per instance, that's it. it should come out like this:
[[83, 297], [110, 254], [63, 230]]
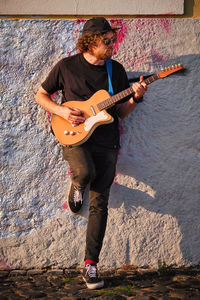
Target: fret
[[151, 79], [112, 100]]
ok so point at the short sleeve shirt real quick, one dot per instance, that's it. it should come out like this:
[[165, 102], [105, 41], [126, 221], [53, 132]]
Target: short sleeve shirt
[[79, 80]]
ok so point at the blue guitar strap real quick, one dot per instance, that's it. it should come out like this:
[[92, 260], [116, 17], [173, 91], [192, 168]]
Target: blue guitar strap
[[109, 70]]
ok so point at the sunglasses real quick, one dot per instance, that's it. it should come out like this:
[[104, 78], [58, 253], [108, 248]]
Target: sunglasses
[[107, 41]]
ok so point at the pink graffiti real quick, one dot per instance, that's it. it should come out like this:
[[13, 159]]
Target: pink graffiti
[[155, 57], [53, 95], [148, 26], [140, 61], [165, 24], [48, 113], [77, 30], [121, 33], [158, 57], [3, 265], [65, 206], [79, 21]]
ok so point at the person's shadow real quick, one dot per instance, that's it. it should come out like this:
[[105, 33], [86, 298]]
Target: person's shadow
[[162, 155]]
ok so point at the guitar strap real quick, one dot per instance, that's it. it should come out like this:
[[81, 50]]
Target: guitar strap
[[109, 71]]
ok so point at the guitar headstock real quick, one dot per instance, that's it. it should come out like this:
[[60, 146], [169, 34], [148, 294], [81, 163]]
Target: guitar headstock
[[167, 71]]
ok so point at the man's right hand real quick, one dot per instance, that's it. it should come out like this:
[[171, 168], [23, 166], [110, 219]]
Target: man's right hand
[[73, 115]]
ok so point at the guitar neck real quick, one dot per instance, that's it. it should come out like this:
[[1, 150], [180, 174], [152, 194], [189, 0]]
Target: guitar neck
[[129, 91]]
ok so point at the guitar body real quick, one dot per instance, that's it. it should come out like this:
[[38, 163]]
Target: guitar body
[[76, 135]]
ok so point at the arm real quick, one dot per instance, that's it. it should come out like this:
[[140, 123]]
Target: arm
[[70, 114], [139, 89]]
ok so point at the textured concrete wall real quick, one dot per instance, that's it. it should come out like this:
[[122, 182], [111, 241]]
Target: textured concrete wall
[[154, 203]]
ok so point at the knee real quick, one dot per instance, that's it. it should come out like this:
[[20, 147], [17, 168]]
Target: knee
[[98, 202], [82, 177]]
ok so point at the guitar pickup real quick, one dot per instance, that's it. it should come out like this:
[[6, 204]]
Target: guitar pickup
[[93, 110]]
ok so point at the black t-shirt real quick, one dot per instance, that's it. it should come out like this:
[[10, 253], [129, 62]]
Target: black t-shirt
[[79, 80]]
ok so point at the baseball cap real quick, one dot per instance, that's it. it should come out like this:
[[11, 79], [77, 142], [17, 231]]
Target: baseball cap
[[97, 24]]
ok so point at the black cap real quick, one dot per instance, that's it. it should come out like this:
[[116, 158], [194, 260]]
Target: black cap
[[97, 24]]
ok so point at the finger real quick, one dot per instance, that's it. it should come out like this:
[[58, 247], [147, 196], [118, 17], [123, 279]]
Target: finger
[[144, 85], [141, 78], [136, 86], [76, 119], [75, 112]]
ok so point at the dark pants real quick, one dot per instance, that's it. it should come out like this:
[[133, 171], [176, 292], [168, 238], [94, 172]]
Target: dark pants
[[94, 165]]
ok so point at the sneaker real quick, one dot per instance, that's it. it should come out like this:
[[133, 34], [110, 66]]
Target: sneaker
[[75, 199], [91, 277]]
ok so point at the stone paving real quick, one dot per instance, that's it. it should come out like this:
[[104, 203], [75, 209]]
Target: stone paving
[[124, 283]]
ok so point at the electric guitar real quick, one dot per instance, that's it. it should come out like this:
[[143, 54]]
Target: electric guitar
[[94, 111]]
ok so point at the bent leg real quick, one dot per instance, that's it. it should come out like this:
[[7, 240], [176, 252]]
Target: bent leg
[[81, 165]]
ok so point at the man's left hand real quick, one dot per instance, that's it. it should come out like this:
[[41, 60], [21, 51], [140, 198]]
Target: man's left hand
[[139, 88]]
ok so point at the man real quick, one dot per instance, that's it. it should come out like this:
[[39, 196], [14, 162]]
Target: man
[[93, 162]]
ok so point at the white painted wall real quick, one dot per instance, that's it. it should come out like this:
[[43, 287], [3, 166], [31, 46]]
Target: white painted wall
[[154, 203], [91, 7]]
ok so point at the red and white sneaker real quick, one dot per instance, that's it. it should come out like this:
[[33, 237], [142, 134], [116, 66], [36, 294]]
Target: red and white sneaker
[[91, 277]]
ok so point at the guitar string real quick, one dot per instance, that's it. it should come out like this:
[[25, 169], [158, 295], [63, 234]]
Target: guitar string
[[108, 102]]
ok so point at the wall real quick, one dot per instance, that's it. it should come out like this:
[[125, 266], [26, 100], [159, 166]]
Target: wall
[[154, 203]]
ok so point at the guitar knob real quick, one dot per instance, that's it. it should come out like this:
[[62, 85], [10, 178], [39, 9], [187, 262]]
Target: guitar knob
[[66, 132], [72, 133]]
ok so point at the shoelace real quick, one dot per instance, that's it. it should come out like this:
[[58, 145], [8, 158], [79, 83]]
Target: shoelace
[[91, 271], [77, 196]]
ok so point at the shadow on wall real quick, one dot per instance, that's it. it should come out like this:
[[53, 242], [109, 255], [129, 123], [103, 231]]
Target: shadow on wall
[[161, 152]]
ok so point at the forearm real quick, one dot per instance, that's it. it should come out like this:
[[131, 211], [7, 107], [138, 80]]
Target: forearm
[[126, 108], [44, 100]]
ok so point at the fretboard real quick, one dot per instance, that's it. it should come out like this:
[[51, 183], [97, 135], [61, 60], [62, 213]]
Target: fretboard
[[116, 98]]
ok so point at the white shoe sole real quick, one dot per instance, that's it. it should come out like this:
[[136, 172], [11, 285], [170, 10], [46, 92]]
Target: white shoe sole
[[93, 286]]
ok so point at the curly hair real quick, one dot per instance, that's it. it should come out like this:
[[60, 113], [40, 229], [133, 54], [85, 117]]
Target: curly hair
[[87, 40]]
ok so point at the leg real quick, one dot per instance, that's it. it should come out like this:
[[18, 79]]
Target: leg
[[105, 162]]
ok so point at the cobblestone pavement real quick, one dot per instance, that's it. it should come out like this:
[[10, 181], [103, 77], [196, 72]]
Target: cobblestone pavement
[[124, 283]]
